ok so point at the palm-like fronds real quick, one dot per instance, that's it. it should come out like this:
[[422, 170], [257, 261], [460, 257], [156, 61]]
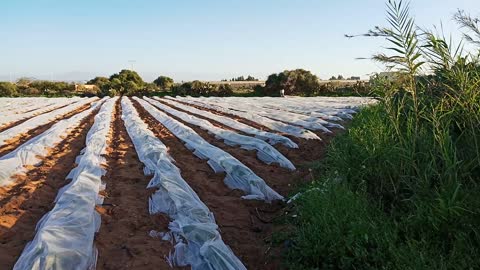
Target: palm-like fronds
[[471, 25], [440, 54], [402, 36]]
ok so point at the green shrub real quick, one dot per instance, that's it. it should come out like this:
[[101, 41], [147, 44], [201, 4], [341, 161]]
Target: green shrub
[[339, 229], [198, 88], [164, 83], [294, 82], [7, 89], [224, 90]]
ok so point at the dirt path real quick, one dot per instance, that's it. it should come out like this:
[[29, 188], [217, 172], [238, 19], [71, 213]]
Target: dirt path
[[245, 225], [15, 142], [123, 241], [31, 196]]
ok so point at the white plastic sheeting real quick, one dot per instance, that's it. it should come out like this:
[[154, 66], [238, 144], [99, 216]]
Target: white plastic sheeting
[[247, 105], [64, 238], [269, 137], [252, 116], [328, 108], [42, 108], [299, 110], [30, 152], [25, 104], [197, 240], [238, 176], [18, 105], [40, 120], [265, 152]]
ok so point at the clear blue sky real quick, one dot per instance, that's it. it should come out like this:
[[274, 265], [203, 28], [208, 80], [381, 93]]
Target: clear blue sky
[[187, 39]]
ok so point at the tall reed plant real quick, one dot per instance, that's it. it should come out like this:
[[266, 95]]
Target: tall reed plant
[[413, 160]]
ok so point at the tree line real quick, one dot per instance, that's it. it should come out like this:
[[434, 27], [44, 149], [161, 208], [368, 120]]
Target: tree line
[[242, 79], [128, 82], [29, 87]]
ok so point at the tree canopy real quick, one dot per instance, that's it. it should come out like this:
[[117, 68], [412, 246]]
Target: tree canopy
[[124, 82], [294, 82], [164, 82], [198, 88]]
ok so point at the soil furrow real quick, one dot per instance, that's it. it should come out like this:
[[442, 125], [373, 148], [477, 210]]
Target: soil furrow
[[308, 151], [280, 179], [245, 225], [240, 119], [18, 140], [32, 195], [123, 241], [215, 123]]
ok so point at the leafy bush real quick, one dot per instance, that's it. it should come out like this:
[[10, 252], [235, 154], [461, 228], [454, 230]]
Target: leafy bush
[[29, 91], [103, 83], [359, 88], [294, 82], [224, 90], [7, 89], [198, 88], [164, 83], [126, 82]]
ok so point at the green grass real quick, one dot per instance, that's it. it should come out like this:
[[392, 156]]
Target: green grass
[[380, 207], [399, 190]]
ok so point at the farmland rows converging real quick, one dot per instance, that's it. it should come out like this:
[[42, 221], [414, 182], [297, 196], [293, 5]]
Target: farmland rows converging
[[142, 183]]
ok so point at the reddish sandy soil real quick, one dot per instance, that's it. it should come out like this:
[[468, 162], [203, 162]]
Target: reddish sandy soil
[[309, 150], [23, 203], [280, 179], [123, 241], [246, 226], [10, 145]]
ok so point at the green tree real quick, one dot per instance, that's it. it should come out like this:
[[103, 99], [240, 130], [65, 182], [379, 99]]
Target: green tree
[[128, 75], [164, 82], [99, 81], [7, 89], [294, 82], [224, 90], [53, 88], [127, 81]]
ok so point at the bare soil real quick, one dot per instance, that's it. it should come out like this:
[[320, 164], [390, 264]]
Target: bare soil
[[280, 179], [308, 151], [246, 225], [123, 241]]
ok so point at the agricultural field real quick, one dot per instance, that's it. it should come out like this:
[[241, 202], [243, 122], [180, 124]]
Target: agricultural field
[[142, 183]]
